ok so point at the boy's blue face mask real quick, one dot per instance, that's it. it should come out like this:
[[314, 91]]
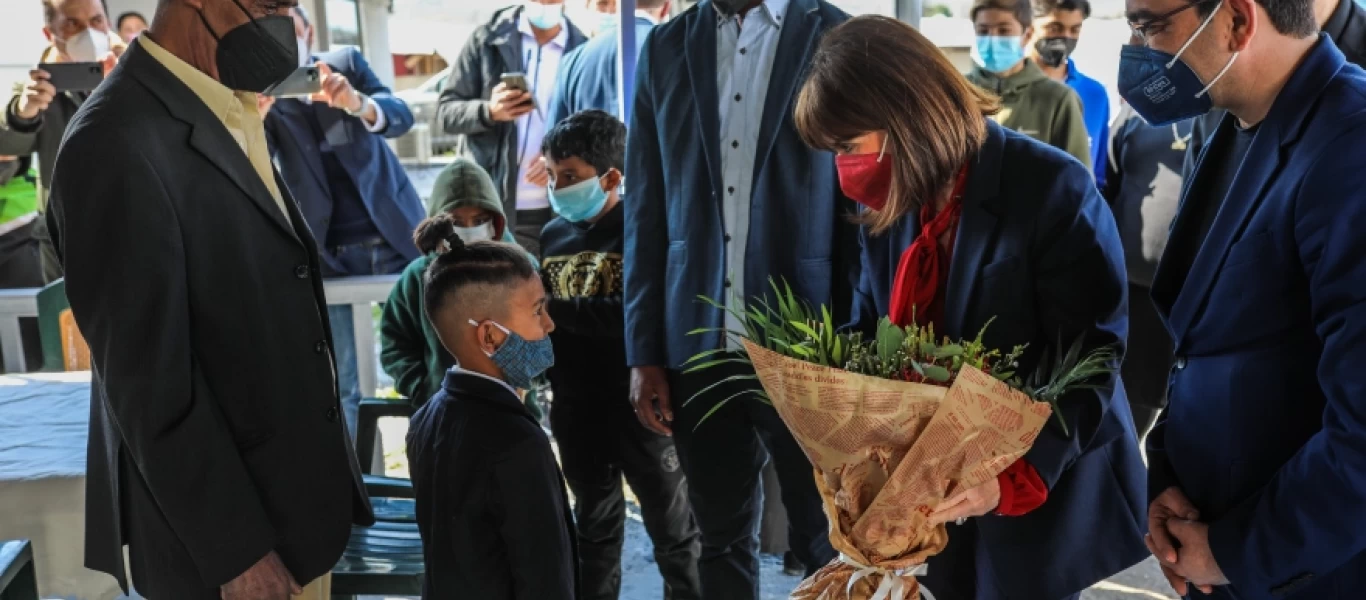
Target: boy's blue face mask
[[1160, 87], [998, 53], [521, 360], [579, 202]]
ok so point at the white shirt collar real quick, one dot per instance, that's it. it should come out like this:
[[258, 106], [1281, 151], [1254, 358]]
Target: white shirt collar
[[561, 39], [775, 10], [495, 380]]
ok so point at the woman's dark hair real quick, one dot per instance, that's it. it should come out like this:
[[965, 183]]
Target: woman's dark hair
[[480, 268], [873, 73]]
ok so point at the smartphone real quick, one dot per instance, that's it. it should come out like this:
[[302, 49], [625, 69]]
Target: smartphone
[[517, 81], [74, 76], [304, 81]]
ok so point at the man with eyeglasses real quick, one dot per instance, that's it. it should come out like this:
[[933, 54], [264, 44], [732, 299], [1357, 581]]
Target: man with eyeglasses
[[1257, 469]]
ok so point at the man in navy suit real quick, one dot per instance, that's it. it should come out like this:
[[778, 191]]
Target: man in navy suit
[[349, 184], [1257, 473], [588, 75], [721, 197]]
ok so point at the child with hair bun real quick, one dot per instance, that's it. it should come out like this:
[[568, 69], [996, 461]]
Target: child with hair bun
[[491, 502]]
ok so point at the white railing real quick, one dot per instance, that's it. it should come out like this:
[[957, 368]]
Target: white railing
[[359, 292]]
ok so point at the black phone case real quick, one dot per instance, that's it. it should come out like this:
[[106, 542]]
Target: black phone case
[[74, 77]]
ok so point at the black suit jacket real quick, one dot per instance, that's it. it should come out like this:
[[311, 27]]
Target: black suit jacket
[[491, 502], [215, 434]]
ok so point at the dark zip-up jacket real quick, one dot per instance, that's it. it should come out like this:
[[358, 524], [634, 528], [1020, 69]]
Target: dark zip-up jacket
[[463, 109]]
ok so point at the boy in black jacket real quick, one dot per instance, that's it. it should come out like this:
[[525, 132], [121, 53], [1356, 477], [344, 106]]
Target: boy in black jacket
[[491, 503], [591, 416]]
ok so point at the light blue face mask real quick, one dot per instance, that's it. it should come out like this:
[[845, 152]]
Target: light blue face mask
[[579, 202], [543, 16], [606, 22], [998, 53]]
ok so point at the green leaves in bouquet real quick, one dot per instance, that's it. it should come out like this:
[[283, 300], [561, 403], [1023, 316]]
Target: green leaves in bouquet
[[1067, 371], [791, 327]]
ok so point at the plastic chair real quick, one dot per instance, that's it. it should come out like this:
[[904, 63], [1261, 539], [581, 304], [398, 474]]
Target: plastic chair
[[64, 348], [385, 558], [18, 580]]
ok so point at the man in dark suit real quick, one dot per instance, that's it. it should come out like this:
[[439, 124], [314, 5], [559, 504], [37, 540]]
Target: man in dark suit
[[217, 451], [721, 197], [352, 190], [1257, 468]]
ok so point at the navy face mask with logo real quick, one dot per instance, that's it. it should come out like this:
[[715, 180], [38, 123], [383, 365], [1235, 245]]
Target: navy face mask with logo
[[1160, 87]]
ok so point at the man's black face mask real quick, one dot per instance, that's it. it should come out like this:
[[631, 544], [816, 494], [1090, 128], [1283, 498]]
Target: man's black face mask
[[1054, 51], [257, 54]]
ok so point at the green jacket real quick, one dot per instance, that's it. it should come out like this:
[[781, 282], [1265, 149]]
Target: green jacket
[[18, 192], [410, 351], [1039, 107]]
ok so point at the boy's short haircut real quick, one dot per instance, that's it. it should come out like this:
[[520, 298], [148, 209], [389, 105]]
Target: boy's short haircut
[[1024, 13], [594, 136], [1044, 8]]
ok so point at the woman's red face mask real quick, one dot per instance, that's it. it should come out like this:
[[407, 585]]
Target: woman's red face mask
[[866, 178]]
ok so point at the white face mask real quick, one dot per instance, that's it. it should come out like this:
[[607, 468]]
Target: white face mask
[[91, 45], [304, 58], [478, 233]]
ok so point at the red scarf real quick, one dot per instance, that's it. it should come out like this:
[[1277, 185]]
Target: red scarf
[[924, 266], [923, 269]]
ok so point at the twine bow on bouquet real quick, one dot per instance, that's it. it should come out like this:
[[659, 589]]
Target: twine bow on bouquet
[[893, 586]]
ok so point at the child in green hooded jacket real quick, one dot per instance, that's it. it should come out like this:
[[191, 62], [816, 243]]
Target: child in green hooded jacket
[[410, 351]]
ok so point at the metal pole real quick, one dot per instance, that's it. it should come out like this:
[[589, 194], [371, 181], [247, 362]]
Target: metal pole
[[626, 57], [909, 11]]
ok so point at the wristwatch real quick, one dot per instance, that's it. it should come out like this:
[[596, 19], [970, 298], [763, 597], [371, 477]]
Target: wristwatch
[[364, 102]]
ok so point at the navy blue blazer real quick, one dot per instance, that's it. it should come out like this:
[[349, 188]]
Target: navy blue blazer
[[374, 168], [1037, 248], [675, 240], [588, 74], [1266, 427]]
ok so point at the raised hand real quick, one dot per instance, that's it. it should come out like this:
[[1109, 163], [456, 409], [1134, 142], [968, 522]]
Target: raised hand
[[36, 96], [336, 90]]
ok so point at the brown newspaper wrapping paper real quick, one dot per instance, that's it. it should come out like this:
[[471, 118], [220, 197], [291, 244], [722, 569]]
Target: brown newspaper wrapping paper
[[886, 453]]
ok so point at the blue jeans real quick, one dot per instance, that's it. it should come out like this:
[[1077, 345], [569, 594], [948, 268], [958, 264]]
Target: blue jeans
[[369, 258]]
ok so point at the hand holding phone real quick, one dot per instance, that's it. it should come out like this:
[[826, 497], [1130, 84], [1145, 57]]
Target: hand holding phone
[[37, 94], [511, 98], [303, 82]]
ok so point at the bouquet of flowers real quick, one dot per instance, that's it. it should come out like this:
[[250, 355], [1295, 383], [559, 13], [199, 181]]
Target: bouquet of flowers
[[893, 425]]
